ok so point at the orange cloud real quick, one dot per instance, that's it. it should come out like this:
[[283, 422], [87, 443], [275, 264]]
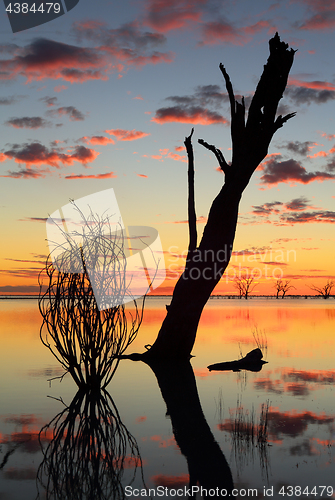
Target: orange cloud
[[108, 175], [323, 154], [97, 140], [330, 137], [142, 175], [127, 135], [177, 157]]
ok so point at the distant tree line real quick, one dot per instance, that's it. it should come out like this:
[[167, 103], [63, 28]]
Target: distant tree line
[[245, 284]]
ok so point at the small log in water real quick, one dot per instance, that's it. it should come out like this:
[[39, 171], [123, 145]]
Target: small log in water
[[252, 361]]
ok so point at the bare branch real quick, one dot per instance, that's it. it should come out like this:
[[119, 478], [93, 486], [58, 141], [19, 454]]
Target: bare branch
[[281, 120], [218, 153], [237, 113], [229, 88], [192, 217]]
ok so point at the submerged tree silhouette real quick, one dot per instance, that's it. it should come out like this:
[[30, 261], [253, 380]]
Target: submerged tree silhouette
[[85, 335], [207, 262], [245, 285], [88, 452], [282, 286], [325, 290]]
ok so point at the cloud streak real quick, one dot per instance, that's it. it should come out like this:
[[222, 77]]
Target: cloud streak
[[108, 175], [70, 111], [32, 122], [127, 135]]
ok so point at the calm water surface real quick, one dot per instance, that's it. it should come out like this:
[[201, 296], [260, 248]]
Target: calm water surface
[[297, 384]]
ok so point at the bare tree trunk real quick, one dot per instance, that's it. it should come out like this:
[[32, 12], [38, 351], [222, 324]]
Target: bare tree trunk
[[206, 263]]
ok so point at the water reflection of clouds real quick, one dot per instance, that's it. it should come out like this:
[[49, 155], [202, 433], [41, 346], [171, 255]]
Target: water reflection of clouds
[[165, 442], [17, 474], [305, 448], [292, 423], [171, 481], [52, 371], [25, 434], [296, 382]]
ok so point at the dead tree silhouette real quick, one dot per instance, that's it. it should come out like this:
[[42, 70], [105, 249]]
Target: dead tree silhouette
[[207, 262]]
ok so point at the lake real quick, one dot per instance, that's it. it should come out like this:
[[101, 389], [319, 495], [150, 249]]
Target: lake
[[295, 389]]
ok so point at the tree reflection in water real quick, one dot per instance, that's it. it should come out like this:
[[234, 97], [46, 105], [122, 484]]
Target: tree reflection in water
[[88, 452], [207, 464]]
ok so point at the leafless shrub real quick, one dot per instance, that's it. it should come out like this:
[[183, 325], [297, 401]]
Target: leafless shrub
[[85, 335]]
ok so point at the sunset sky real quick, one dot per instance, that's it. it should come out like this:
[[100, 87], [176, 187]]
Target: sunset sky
[[104, 96]]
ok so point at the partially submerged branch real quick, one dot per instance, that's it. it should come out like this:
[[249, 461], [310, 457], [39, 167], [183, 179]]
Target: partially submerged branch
[[252, 362]]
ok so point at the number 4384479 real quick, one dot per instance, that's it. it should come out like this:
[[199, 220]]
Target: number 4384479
[[23, 8], [297, 491]]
